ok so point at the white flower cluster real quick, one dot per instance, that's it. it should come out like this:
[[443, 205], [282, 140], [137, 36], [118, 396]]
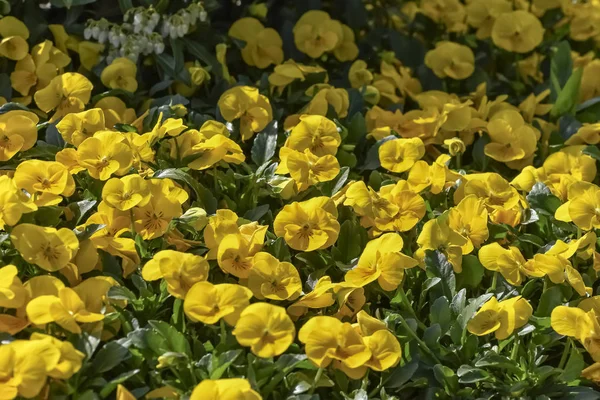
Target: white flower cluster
[[139, 32], [178, 24]]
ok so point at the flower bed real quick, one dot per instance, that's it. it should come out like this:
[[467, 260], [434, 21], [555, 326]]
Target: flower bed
[[299, 199]]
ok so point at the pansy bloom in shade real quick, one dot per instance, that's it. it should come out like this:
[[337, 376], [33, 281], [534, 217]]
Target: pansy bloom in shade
[[263, 45], [120, 74], [316, 33], [246, 104], [451, 60], [517, 31]]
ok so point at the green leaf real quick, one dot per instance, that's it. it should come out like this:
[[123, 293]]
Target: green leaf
[[550, 299], [349, 242], [265, 144], [574, 366], [203, 195], [440, 313], [200, 52], [402, 374], [109, 356], [256, 213], [541, 199], [569, 95], [177, 47], [469, 374], [592, 151], [125, 128], [437, 265], [472, 272], [357, 129], [223, 362], [332, 187], [168, 64], [561, 66], [175, 340]]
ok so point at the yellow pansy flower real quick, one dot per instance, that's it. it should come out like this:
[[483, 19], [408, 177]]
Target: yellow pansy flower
[[307, 169], [315, 133], [48, 248], [367, 203], [470, 218], [570, 160], [316, 33], [327, 339], [12, 292], [66, 93], [209, 303], [45, 181], [115, 111], [105, 154], [308, 225], [249, 106], [517, 31], [399, 155], [18, 132], [509, 262], [263, 45], [383, 261], [14, 35], [152, 219], [437, 235], [325, 96], [126, 192], [586, 134], [449, 12], [385, 350], [578, 323], [70, 359], [290, 71], [76, 127], [272, 279], [350, 298], [320, 297], [450, 59], [359, 75], [67, 310], [481, 14], [233, 388], [346, 50], [582, 206], [24, 367], [13, 202], [500, 318], [381, 123], [590, 81], [266, 329], [411, 208], [235, 252], [198, 76], [120, 74], [180, 270]]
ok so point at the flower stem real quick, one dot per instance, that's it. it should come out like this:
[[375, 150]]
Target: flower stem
[[316, 380], [421, 343], [565, 355]]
